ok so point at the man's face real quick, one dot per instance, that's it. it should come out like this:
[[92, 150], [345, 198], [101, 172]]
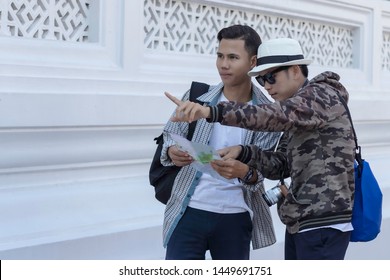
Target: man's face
[[233, 62], [279, 82]]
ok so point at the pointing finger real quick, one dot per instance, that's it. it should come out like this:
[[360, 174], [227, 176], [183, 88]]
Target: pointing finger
[[178, 102]]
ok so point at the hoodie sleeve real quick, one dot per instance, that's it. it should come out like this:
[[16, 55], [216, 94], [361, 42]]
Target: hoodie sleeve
[[312, 107], [272, 164]]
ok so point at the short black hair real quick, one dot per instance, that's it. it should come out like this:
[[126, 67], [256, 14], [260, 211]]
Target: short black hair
[[243, 32], [304, 70]]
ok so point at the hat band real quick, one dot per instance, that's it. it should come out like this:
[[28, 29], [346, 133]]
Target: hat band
[[278, 59]]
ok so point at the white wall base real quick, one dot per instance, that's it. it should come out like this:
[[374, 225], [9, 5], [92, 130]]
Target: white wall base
[[146, 244]]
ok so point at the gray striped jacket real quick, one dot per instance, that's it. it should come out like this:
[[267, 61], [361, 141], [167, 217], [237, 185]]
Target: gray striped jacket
[[263, 232]]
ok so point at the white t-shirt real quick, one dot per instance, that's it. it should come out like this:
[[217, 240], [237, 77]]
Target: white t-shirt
[[216, 195], [344, 227]]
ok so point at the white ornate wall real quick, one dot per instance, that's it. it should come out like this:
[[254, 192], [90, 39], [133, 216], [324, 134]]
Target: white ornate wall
[[81, 99]]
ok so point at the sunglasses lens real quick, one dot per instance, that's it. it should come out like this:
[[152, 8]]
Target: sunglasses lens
[[260, 80], [267, 77], [270, 78]]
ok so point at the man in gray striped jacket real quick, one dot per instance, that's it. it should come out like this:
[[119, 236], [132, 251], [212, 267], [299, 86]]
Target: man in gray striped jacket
[[205, 213]]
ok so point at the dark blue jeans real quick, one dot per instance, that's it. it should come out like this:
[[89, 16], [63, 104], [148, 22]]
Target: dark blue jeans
[[227, 236], [317, 244]]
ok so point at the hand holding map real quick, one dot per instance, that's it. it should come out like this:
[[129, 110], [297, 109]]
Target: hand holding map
[[202, 155]]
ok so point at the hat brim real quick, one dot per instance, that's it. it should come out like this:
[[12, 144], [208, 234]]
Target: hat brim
[[256, 71]]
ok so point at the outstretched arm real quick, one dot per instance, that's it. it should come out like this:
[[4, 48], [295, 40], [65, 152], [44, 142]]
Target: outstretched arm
[[188, 111]]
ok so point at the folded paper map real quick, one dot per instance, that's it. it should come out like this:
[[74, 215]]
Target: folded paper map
[[202, 155]]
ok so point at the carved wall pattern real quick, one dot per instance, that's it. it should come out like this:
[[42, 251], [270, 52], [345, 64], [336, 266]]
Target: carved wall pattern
[[386, 51], [185, 26], [63, 20]]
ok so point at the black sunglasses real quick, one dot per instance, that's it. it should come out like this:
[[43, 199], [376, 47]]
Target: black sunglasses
[[270, 77]]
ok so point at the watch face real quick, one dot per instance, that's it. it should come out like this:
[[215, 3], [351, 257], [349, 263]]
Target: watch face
[[248, 175]]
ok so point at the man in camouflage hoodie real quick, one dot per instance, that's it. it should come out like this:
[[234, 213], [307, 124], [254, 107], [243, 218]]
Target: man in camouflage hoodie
[[316, 149]]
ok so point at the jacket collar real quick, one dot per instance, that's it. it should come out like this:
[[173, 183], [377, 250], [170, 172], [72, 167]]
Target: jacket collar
[[211, 97]]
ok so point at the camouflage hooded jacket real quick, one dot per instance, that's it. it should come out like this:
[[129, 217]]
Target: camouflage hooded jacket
[[316, 151]]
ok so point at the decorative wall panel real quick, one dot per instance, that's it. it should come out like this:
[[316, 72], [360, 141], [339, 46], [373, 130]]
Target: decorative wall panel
[[386, 52], [63, 20], [190, 27]]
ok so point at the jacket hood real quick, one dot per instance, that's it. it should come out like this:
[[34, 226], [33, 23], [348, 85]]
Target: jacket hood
[[333, 80]]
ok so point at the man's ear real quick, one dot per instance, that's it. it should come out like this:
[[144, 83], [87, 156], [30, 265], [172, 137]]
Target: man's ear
[[296, 70], [253, 61]]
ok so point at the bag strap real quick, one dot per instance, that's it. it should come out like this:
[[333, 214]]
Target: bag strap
[[358, 154], [196, 90]]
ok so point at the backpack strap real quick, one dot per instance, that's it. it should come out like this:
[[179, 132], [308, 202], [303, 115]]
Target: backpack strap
[[196, 90], [358, 152]]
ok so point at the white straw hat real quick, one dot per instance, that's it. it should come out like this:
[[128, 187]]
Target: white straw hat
[[278, 52]]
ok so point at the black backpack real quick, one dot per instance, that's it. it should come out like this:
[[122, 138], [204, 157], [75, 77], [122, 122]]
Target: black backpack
[[162, 177]]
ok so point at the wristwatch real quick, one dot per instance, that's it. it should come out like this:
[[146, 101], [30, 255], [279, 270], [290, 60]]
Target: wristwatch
[[248, 176]]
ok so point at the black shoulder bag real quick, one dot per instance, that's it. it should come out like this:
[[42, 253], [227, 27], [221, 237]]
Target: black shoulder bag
[[162, 177]]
